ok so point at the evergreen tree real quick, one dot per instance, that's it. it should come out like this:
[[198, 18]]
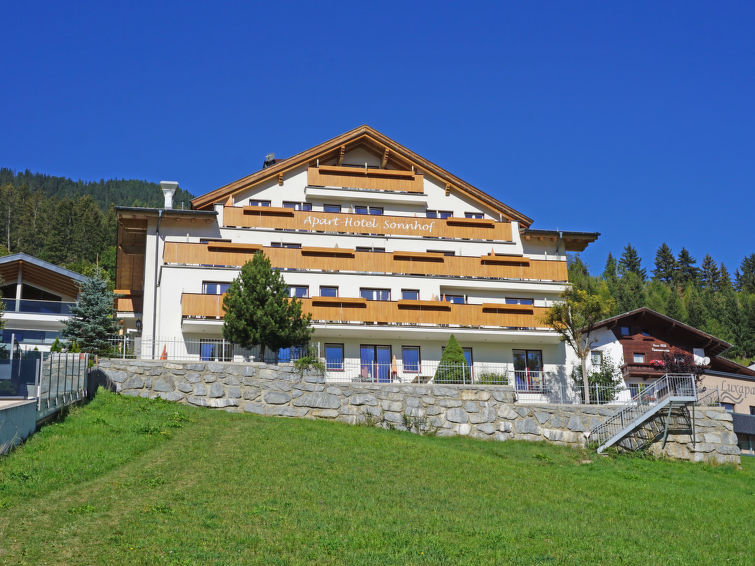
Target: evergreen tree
[[686, 272], [452, 367], [630, 262], [657, 296], [259, 312], [630, 293], [724, 281], [696, 311], [674, 307], [610, 271], [578, 273], [665, 264], [93, 320], [746, 275], [709, 274]]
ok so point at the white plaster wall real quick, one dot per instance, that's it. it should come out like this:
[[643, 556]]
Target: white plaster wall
[[605, 341]]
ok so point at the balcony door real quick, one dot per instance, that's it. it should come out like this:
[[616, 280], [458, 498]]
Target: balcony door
[[528, 370], [375, 363]]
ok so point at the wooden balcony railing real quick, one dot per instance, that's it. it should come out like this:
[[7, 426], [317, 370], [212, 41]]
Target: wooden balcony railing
[[130, 301], [343, 259], [360, 178], [350, 223], [350, 309]]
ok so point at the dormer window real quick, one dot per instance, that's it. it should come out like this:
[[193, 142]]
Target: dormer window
[[624, 330]]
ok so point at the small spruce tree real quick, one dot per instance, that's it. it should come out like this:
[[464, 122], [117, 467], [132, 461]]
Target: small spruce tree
[[56, 346], [630, 262], [93, 320], [259, 312], [453, 365]]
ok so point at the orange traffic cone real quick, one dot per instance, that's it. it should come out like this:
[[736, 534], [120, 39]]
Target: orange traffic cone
[[164, 355]]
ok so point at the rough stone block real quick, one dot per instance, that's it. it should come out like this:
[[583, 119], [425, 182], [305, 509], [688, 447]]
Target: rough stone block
[[456, 415], [232, 380], [486, 428], [575, 424], [210, 378], [171, 396], [412, 402], [324, 413], [184, 387], [221, 403], [199, 401], [506, 412], [215, 367], [395, 406], [449, 403], [522, 411], [193, 377], [276, 397], [464, 429], [319, 400], [486, 415], [427, 400], [170, 365], [163, 385], [200, 389], [256, 408], [366, 399], [233, 392], [471, 407], [391, 417], [526, 426], [251, 393], [216, 390], [542, 416], [441, 391], [133, 382]]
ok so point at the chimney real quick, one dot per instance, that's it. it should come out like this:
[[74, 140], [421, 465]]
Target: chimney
[[269, 160], [169, 189]]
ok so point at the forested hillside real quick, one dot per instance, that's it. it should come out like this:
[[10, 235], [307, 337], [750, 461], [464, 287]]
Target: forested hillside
[[705, 296], [118, 192], [68, 223]]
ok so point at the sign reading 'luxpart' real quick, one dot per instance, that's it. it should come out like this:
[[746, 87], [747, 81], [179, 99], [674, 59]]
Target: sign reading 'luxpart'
[[372, 224]]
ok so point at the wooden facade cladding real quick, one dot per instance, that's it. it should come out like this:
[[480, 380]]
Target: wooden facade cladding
[[349, 223], [342, 309], [129, 301], [342, 259], [360, 178]]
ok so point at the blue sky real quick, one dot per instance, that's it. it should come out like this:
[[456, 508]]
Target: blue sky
[[633, 120]]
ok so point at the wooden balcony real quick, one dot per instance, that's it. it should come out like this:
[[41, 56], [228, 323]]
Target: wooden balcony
[[130, 301], [343, 309], [350, 223], [360, 178], [343, 259]]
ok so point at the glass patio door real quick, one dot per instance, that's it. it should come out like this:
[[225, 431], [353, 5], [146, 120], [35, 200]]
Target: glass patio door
[[528, 370], [375, 363]]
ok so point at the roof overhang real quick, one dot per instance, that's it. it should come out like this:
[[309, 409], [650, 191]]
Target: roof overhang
[[574, 241], [40, 273], [394, 153]]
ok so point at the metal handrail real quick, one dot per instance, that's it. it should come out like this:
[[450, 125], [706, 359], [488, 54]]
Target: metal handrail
[[670, 385], [709, 398]]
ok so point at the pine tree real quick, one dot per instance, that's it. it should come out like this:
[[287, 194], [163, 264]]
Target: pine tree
[[259, 312], [724, 281], [696, 311], [674, 307], [665, 264], [630, 293], [687, 272], [709, 274], [746, 275], [452, 367], [610, 271], [630, 262], [93, 320]]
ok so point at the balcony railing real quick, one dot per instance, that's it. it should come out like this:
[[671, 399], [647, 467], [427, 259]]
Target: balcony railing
[[37, 307], [360, 178], [228, 254], [352, 223], [356, 309]]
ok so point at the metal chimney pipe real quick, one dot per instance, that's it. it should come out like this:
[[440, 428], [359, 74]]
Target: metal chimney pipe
[[169, 189]]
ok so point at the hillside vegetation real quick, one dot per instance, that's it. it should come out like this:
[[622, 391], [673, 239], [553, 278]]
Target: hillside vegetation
[[69, 223], [132, 481]]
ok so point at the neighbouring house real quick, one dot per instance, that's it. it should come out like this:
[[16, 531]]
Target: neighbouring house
[[38, 297], [390, 253], [637, 340]]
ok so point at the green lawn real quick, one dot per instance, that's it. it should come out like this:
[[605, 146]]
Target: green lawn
[[131, 481]]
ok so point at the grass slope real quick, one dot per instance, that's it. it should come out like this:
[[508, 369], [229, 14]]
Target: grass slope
[[131, 481]]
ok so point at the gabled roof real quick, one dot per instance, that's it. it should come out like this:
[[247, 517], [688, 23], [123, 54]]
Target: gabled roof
[[41, 272], [361, 136], [712, 345]]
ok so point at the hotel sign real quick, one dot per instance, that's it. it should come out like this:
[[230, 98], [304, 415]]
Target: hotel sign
[[359, 224]]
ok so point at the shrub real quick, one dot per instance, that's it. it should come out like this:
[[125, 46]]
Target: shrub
[[453, 365]]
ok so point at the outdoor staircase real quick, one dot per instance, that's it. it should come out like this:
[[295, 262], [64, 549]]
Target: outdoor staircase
[[635, 425]]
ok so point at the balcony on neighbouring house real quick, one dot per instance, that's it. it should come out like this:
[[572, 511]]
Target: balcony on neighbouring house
[[28, 306]]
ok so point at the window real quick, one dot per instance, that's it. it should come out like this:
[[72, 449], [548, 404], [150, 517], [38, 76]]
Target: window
[[410, 294], [410, 359], [328, 291], [212, 288], [459, 299], [728, 406], [290, 354], [624, 331], [259, 203], [528, 370], [439, 213], [334, 357], [375, 210], [639, 358], [215, 350], [752, 410], [376, 363], [369, 249], [444, 252], [285, 245], [211, 240], [300, 291], [473, 215], [297, 205], [375, 294], [596, 358], [331, 208], [517, 301]]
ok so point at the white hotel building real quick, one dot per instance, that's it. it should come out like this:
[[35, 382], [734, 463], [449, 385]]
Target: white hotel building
[[389, 252]]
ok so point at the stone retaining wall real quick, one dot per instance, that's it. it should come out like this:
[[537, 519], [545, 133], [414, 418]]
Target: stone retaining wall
[[479, 411]]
